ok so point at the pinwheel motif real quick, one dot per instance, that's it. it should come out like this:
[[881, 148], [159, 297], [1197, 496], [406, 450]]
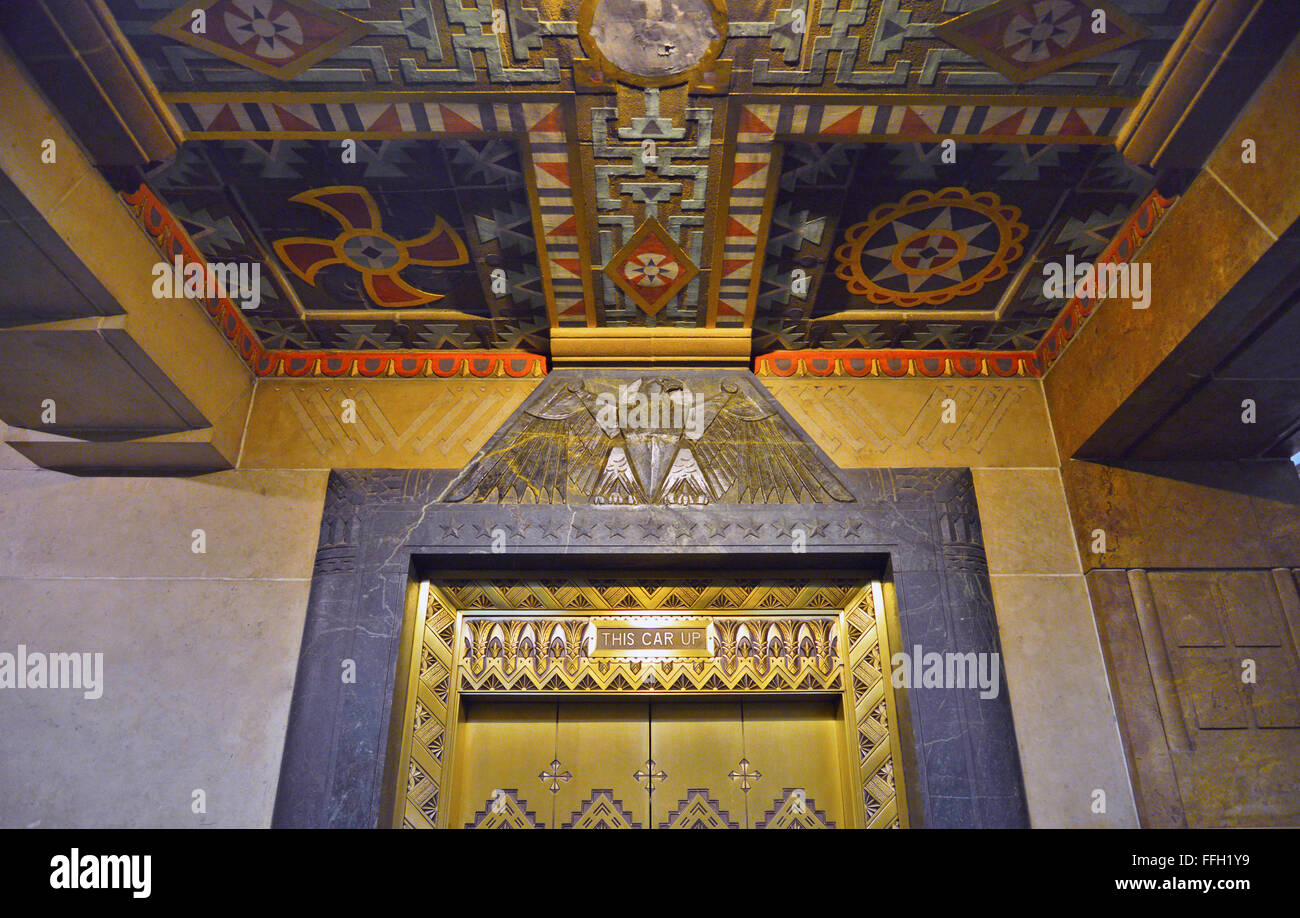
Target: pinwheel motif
[[1027, 39], [279, 38], [1039, 30], [651, 269], [365, 247]]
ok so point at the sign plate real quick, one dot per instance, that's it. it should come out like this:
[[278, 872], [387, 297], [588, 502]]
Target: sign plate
[[631, 640]]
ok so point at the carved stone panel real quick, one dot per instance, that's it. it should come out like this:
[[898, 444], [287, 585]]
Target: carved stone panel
[[1206, 676], [577, 481]]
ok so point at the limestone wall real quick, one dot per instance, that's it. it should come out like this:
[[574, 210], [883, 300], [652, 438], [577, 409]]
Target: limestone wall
[[199, 649], [1065, 719]]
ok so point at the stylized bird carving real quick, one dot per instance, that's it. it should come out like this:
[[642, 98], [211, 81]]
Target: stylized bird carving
[[365, 247], [703, 447]]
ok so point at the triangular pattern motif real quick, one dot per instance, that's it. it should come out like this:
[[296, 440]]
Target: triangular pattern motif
[[793, 810], [601, 811], [504, 811], [698, 810]]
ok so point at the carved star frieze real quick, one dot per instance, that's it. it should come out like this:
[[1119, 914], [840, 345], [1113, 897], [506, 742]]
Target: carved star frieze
[[654, 529], [452, 529]]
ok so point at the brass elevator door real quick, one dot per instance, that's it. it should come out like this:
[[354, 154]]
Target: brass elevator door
[[639, 764]]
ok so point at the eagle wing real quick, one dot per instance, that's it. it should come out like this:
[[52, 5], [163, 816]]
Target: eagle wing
[[751, 447], [534, 455]]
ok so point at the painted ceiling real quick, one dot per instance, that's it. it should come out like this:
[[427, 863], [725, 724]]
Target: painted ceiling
[[425, 177]]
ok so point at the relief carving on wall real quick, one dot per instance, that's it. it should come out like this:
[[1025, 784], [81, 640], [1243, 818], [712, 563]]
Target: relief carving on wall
[[648, 439]]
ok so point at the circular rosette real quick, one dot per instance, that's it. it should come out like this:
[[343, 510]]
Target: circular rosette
[[931, 247], [652, 42]]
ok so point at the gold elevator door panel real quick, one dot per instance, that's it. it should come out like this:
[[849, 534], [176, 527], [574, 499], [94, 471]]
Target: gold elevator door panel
[[501, 749], [796, 746], [633, 764], [694, 745], [600, 746]]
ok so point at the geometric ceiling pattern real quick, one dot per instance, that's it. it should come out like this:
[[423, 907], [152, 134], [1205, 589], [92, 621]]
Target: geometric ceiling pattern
[[248, 200], [429, 177], [895, 253]]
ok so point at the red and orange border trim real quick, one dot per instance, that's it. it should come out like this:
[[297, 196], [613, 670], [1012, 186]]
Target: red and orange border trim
[[898, 363], [858, 363], [171, 240]]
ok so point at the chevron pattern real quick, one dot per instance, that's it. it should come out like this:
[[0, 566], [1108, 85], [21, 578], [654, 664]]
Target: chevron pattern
[[457, 417]]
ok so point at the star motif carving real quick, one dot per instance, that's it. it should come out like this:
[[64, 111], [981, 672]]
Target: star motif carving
[[718, 530], [452, 530]]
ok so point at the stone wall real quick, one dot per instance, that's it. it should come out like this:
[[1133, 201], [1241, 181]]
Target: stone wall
[[199, 650], [1190, 563], [1191, 566], [1065, 718]]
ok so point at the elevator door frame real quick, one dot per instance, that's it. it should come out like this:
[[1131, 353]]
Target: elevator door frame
[[853, 782]]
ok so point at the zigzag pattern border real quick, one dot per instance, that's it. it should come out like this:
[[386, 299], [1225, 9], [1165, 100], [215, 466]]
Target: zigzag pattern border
[[626, 677], [986, 120]]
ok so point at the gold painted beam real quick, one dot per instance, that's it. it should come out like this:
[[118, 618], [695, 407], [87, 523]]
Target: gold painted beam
[[650, 345], [1169, 125]]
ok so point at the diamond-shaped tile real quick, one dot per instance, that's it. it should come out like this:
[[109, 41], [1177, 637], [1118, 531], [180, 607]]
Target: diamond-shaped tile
[[651, 268], [1024, 39], [279, 38]]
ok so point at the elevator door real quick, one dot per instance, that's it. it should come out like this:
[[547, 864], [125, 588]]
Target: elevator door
[[626, 764]]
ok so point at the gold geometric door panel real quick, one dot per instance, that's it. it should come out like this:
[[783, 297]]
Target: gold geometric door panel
[[694, 746], [500, 752], [600, 747], [638, 702], [550, 765], [631, 765], [747, 764], [798, 749]]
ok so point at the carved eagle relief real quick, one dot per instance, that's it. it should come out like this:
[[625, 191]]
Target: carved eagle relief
[[655, 441]]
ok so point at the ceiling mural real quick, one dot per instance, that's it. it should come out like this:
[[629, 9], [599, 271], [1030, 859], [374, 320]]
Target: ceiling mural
[[893, 251], [395, 250], [567, 165]]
